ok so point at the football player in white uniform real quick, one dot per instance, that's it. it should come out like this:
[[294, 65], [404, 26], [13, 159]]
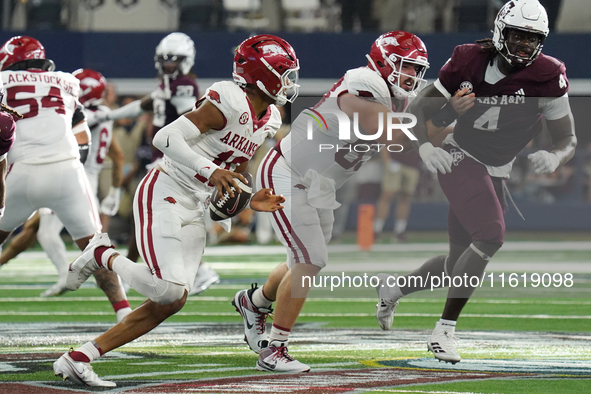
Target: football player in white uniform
[[7, 128], [45, 224], [203, 149], [308, 179], [45, 160], [176, 94]]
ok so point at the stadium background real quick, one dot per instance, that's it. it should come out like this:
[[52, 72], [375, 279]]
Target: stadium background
[[118, 39]]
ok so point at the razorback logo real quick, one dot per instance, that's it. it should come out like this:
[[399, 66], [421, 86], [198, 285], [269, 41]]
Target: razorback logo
[[300, 186], [215, 96], [170, 200]]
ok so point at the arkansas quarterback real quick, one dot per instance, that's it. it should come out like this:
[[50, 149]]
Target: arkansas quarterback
[[204, 149]]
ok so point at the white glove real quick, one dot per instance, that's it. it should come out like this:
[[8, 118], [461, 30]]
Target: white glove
[[99, 116], [544, 162], [435, 158], [110, 204]]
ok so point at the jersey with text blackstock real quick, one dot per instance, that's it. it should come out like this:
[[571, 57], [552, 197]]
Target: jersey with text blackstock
[[101, 137], [302, 146], [233, 144], [508, 112], [47, 100]]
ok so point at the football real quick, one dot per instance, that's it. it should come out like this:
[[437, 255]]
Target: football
[[223, 206]]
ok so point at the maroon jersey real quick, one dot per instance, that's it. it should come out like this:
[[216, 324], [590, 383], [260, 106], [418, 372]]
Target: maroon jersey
[[506, 115], [184, 92], [7, 127], [183, 89]]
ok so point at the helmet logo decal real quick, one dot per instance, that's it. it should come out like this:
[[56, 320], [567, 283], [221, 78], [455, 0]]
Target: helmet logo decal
[[467, 85], [243, 118], [389, 41], [273, 49]]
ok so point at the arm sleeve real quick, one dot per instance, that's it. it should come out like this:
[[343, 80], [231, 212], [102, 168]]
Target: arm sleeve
[[131, 110], [172, 141], [555, 108]]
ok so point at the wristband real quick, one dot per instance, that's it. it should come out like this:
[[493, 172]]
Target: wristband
[[205, 167], [1, 212], [445, 116]]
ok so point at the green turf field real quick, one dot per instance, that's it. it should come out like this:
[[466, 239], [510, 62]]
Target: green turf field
[[519, 339]]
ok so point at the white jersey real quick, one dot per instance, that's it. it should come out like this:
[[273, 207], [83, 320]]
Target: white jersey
[[47, 100], [230, 146], [303, 155], [101, 138]]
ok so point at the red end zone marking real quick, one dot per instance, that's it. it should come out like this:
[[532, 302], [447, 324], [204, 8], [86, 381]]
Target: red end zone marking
[[23, 388], [342, 381]]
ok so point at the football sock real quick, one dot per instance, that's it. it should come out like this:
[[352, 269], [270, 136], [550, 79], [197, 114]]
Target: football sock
[[102, 254], [448, 324], [400, 226], [259, 300], [122, 309], [278, 336], [87, 353], [378, 225]]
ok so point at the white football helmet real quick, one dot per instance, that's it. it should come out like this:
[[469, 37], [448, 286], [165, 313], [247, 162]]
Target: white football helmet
[[177, 48], [525, 15]]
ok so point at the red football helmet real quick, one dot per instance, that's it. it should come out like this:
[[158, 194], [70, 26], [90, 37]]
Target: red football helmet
[[269, 63], [393, 50], [92, 86], [22, 48]]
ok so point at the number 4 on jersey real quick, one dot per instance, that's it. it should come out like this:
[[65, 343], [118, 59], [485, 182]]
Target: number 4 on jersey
[[489, 120]]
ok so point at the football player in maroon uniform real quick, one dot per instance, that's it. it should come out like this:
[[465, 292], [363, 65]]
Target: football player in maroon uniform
[[515, 87]]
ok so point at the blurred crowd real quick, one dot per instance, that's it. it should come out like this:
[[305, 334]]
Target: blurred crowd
[[419, 16]]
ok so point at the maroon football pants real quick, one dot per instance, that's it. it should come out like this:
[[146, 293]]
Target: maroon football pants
[[476, 201]]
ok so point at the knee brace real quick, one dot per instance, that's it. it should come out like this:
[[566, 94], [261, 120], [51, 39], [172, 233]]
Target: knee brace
[[167, 292]]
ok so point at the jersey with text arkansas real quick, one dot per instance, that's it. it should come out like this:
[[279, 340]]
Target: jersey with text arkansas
[[304, 154], [101, 137], [47, 101], [184, 92], [232, 145], [506, 114]]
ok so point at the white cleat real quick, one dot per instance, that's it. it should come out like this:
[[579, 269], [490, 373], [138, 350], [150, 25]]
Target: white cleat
[[276, 359], [206, 276], [442, 344], [255, 319], [85, 265], [78, 372], [386, 307], [57, 289]]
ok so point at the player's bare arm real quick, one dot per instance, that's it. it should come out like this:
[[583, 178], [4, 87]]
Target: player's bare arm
[[563, 136]]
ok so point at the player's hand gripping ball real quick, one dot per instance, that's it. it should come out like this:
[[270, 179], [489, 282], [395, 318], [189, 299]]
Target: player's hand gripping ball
[[223, 206]]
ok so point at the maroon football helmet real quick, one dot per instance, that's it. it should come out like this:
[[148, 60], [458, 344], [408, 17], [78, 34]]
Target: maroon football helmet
[[269, 63], [25, 50], [393, 50], [92, 86]]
